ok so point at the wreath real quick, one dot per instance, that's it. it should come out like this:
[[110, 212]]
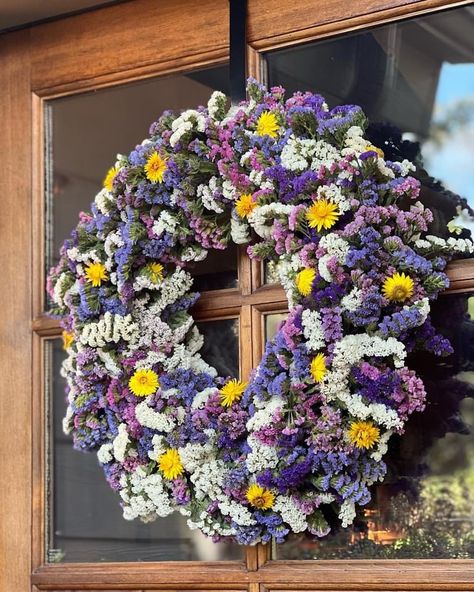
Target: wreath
[[305, 438]]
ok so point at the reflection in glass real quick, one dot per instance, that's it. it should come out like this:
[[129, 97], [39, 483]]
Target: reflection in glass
[[425, 507], [85, 132], [272, 322], [218, 270], [415, 81], [221, 346], [85, 519]]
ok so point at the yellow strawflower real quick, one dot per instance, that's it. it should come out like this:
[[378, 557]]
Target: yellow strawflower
[[363, 434], [267, 125], [245, 205], [322, 214], [398, 287], [155, 272], [232, 391], [144, 382], [68, 339], [259, 497], [304, 281], [372, 148], [318, 367], [170, 465], [109, 178], [96, 274], [155, 168]]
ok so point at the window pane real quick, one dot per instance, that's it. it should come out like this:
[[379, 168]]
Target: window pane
[[221, 346], [415, 81], [425, 506], [85, 522], [85, 132], [272, 322]]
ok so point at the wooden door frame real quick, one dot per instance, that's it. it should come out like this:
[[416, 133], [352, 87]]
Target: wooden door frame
[[61, 58]]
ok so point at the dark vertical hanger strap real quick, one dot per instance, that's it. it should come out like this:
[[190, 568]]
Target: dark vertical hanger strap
[[238, 42]]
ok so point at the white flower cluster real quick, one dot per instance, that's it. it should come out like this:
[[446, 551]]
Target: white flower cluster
[[239, 231], [155, 420], [207, 192], [216, 104], [121, 442], [347, 513], [290, 513], [262, 218], [165, 222], [313, 329], [435, 243], [110, 329], [104, 201], [144, 496], [333, 193], [188, 120], [300, 154], [352, 301]]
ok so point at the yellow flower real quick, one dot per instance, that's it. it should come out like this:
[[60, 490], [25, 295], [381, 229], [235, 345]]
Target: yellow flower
[[170, 464], [232, 391], [68, 339], [318, 367], [372, 148], [245, 205], [144, 382], [322, 214], [96, 274], [155, 272], [363, 434], [259, 497], [155, 168], [109, 178], [398, 287], [267, 125], [304, 281]]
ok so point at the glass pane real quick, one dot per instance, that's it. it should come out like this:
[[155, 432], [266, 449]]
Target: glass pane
[[85, 522], [415, 81], [272, 322], [85, 133], [221, 345], [425, 507]]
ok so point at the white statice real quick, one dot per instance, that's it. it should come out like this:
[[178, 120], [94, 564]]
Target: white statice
[[229, 191], [87, 257], [120, 443], [144, 496], [333, 193], [262, 217], [382, 446], [440, 245], [313, 329], [286, 270], [112, 328], [193, 455], [384, 169], [60, 289], [335, 246], [290, 513], [266, 411], [354, 142], [104, 454], [206, 194], [406, 167], [299, 154], [238, 513], [261, 456], [207, 479], [378, 412], [113, 241], [159, 447], [239, 231], [324, 269], [352, 301], [110, 362], [347, 513], [165, 222], [104, 201], [201, 398], [149, 418], [194, 253], [216, 105], [190, 120]]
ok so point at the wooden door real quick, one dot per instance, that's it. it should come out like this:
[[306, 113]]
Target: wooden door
[[142, 42]]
